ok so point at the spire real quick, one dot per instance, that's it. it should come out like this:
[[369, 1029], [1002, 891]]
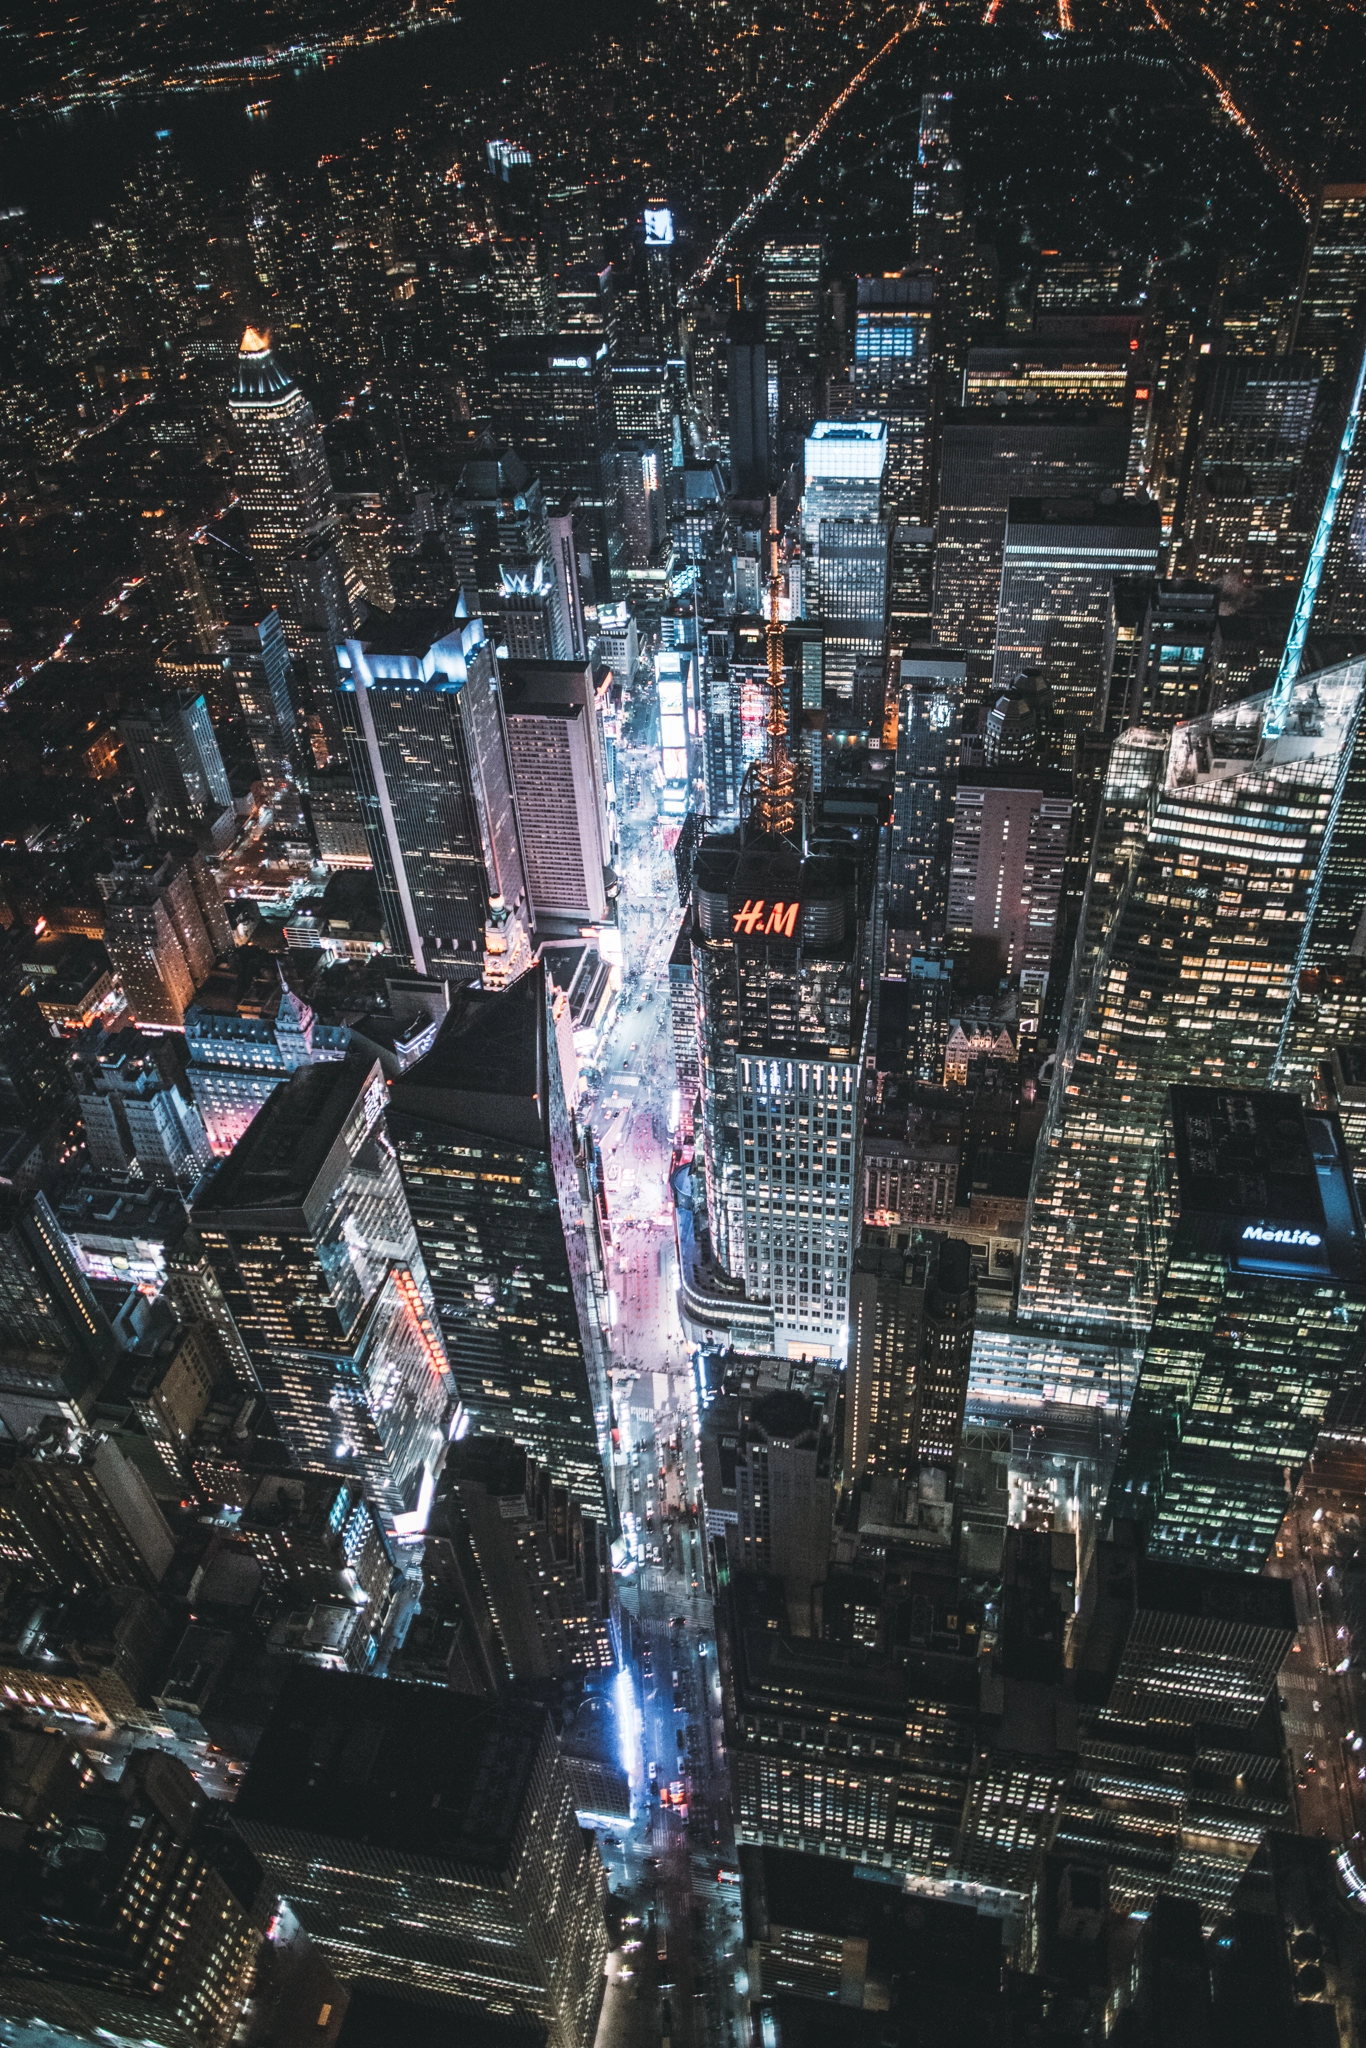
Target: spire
[[775, 780], [259, 380]]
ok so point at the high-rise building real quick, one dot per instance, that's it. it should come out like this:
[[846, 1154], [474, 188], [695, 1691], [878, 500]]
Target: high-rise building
[[987, 457], [308, 1229], [173, 752], [751, 441], [256, 664], [643, 400], [164, 928], [286, 493], [845, 544], [486, 1145], [243, 1041], [777, 942], [1089, 370], [552, 397], [892, 380], [1208, 850], [541, 1560], [784, 1492], [1173, 658], [1011, 833], [1333, 277], [640, 482], [1060, 560], [465, 1883], [928, 739], [1263, 1257], [56, 1346], [792, 294], [559, 777], [1242, 506], [421, 713], [137, 1121], [912, 1316], [498, 527]]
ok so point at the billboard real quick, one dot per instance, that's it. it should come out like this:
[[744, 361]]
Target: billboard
[[659, 227]]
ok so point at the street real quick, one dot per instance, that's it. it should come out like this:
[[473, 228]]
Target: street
[[678, 1975], [1323, 1711]]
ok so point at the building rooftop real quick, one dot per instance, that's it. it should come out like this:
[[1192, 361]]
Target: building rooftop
[[488, 1071], [287, 1148], [411, 1769], [1260, 1179]]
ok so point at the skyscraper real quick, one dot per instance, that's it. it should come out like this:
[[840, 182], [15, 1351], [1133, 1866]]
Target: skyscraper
[[486, 1144], [1208, 853], [1011, 832], [136, 1119], [1333, 277], [1261, 1301], [164, 927], [421, 713], [751, 450], [792, 294], [928, 738], [173, 752], [1060, 560], [560, 780], [892, 380], [257, 665], [309, 1232], [56, 1346], [552, 397], [777, 941], [844, 541], [987, 457], [912, 1316], [286, 494], [541, 1560], [1242, 506], [429, 1841]]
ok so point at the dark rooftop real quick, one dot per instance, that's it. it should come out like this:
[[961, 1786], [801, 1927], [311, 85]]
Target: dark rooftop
[[278, 1160], [407, 1768], [488, 1070]]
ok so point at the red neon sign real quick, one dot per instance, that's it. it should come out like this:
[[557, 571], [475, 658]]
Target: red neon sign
[[778, 920]]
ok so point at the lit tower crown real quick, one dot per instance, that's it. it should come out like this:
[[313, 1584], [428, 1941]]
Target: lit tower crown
[[775, 778]]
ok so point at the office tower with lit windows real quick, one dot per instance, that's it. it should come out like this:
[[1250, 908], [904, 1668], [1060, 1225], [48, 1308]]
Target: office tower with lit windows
[[1332, 282], [285, 488], [892, 380], [928, 740], [640, 481], [792, 294], [56, 1345], [164, 928], [1242, 506], [427, 1841], [989, 455], [643, 402], [1011, 832], [1087, 370], [497, 524], [552, 398], [243, 1041], [1261, 1301], [1209, 848], [777, 941], [421, 712], [1060, 559], [1172, 658], [559, 776], [868, 1761], [845, 544], [173, 752], [487, 1148], [256, 664], [309, 1233], [137, 1121], [541, 1560], [911, 1316]]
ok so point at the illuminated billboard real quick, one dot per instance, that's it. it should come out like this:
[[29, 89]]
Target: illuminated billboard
[[659, 227]]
